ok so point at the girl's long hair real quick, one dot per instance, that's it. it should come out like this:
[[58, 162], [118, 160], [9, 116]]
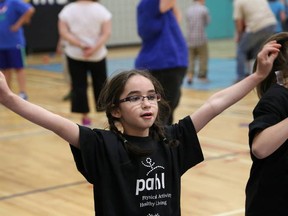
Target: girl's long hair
[[280, 63], [108, 102]]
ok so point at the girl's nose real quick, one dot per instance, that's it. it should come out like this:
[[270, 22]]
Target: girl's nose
[[145, 102]]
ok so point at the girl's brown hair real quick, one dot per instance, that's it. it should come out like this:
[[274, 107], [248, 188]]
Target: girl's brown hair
[[280, 63], [108, 101]]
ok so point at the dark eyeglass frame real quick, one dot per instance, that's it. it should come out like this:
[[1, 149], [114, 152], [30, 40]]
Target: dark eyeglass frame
[[142, 97]]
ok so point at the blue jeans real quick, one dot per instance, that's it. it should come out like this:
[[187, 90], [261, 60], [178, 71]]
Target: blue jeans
[[250, 42]]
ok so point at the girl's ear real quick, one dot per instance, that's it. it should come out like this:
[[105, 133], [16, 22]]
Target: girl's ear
[[116, 113]]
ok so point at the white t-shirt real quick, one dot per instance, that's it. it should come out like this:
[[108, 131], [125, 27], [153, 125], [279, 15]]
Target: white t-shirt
[[84, 19], [256, 14]]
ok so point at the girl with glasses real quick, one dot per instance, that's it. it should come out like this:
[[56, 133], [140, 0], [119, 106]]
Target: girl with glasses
[[136, 166]]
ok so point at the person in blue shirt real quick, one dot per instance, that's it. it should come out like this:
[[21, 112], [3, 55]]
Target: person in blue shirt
[[164, 50], [13, 15], [278, 9]]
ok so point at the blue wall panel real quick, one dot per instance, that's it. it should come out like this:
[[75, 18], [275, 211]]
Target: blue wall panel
[[221, 25]]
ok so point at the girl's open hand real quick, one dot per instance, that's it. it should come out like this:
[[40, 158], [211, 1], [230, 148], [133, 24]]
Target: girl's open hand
[[266, 57]]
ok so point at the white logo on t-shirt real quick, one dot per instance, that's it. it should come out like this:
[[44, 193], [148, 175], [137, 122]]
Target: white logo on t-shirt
[[156, 182], [150, 164]]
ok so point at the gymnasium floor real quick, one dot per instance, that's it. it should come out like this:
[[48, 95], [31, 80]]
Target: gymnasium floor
[[37, 172]]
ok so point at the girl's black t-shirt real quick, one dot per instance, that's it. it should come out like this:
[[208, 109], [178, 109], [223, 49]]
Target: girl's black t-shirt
[[147, 186], [267, 187]]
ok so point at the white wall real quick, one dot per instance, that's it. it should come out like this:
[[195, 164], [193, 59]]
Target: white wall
[[124, 31]]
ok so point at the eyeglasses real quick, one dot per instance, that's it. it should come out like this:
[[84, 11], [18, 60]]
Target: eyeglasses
[[137, 99]]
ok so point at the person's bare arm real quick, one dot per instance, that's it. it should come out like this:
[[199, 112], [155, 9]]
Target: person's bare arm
[[63, 127], [24, 19], [166, 5], [263, 145], [177, 13], [66, 35], [105, 35], [282, 16], [240, 28]]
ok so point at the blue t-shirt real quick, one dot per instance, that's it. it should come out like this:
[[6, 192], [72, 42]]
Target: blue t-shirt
[[163, 44], [10, 12], [277, 7]]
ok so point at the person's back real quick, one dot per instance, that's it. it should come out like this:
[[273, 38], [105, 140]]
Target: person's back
[[164, 50], [197, 18], [256, 15], [254, 23]]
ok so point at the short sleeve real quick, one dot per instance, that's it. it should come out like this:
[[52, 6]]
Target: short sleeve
[[98, 148], [271, 109], [189, 152], [237, 10]]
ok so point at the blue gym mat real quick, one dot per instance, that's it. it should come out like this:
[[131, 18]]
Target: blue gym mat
[[221, 72]]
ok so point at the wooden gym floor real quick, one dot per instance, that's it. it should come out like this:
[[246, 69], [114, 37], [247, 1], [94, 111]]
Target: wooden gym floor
[[38, 176]]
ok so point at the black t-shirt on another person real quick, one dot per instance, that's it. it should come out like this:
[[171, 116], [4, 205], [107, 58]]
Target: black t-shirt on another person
[[267, 187]]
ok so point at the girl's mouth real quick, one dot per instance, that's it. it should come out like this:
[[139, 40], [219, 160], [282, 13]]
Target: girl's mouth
[[147, 114]]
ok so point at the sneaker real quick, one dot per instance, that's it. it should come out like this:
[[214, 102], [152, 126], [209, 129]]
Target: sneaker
[[203, 80], [68, 96], [190, 80], [23, 95], [86, 121]]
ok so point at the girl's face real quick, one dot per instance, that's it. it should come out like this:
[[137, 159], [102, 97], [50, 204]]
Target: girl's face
[[138, 106]]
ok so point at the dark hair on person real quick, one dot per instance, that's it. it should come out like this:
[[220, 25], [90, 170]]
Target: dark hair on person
[[280, 63], [108, 102]]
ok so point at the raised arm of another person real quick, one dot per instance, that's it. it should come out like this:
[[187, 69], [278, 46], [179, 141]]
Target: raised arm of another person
[[223, 99]]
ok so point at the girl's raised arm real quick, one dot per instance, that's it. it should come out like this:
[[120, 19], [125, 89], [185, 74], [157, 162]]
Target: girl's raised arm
[[64, 128], [223, 99]]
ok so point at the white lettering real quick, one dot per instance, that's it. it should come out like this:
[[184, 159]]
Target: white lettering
[[152, 204], [140, 185], [49, 2], [150, 183], [149, 197], [161, 203]]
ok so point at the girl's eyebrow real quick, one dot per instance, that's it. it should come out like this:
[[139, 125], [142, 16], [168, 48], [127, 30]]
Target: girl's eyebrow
[[139, 92]]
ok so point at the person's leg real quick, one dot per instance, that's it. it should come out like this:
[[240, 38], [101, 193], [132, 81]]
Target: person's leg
[[241, 56], [18, 60], [5, 66], [203, 61], [67, 78], [15, 59], [79, 102], [249, 62], [171, 80], [21, 79], [99, 75], [191, 67]]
